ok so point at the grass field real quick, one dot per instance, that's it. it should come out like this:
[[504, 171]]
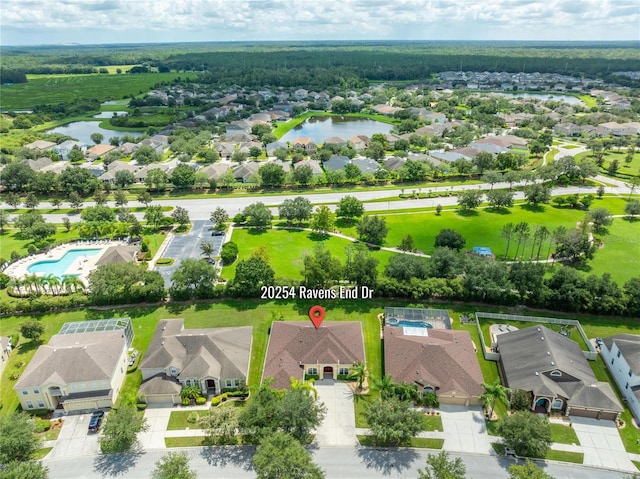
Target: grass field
[[631, 169], [287, 248], [54, 89]]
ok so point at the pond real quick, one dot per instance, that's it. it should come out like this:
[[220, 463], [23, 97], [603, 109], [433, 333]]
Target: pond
[[319, 128], [109, 114], [82, 130], [571, 100]]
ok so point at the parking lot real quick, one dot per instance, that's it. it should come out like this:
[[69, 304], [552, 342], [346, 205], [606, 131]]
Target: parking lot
[[184, 246], [75, 439]]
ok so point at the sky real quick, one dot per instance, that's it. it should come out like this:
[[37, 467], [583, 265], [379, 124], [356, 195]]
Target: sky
[[33, 22]]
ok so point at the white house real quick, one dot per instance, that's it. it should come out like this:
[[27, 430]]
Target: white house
[[621, 354]]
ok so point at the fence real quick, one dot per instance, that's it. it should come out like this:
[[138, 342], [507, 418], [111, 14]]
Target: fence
[[591, 354]]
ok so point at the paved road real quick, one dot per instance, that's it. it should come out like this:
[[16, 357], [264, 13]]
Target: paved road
[[200, 209], [338, 462]]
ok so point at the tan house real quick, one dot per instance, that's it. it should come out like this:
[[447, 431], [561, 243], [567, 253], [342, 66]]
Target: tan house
[[441, 361], [81, 368], [99, 151], [212, 359], [297, 349], [306, 144]]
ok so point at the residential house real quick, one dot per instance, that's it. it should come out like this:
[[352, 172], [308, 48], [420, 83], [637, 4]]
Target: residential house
[[306, 144], [300, 94], [127, 148], [141, 174], [567, 129], [335, 141], [394, 163], [110, 175], [40, 145], [213, 359], [64, 148], [297, 349], [555, 371], [359, 142], [441, 361], [468, 151], [449, 156], [285, 165], [488, 147], [240, 126], [216, 170], [392, 138], [98, 151], [225, 149], [260, 117], [80, 368], [272, 147], [386, 109], [336, 163], [316, 169], [368, 166], [119, 254], [617, 129], [621, 354], [37, 165], [246, 172], [514, 140], [435, 118], [431, 130]]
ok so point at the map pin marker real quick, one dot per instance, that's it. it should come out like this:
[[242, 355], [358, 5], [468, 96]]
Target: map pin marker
[[316, 314]]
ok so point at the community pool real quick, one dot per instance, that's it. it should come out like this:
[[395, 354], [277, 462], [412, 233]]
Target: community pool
[[60, 266], [406, 323]]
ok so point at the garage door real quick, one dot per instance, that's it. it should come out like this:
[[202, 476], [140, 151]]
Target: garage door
[[611, 416], [457, 401], [160, 399]]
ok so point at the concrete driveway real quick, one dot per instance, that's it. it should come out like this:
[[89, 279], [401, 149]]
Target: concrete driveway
[[339, 425], [601, 444], [464, 429], [184, 246], [75, 439]]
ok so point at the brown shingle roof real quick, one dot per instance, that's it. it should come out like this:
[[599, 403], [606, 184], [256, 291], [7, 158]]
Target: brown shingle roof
[[445, 359], [293, 343]]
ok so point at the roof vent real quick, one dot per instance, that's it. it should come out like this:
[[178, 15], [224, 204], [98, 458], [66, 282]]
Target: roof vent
[[541, 338], [539, 329], [548, 353], [85, 347], [552, 363], [162, 342], [537, 373]]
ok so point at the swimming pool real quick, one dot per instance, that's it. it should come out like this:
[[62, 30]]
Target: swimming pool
[[58, 267], [406, 323]]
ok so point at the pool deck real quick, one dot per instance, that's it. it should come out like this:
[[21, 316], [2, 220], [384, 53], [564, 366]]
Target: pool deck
[[81, 267]]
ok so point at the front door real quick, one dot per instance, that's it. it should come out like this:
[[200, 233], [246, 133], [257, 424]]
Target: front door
[[327, 372], [211, 386]]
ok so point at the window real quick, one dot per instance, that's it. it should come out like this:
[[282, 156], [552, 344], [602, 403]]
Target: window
[[187, 382], [229, 383], [618, 353], [25, 392], [40, 404], [36, 391], [343, 371], [627, 386], [630, 372], [557, 404], [612, 360], [29, 405], [556, 373], [312, 371]]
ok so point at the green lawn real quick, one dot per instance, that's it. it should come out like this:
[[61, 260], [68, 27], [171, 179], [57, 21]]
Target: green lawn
[[565, 456], [54, 89], [41, 453], [637, 464], [620, 254], [432, 423], [563, 434], [417, 442], [631, 169], [287, 248], [178, 419], [188, 441], [11, 240]]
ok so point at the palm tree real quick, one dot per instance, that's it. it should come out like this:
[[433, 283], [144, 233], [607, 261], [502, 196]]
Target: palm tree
[[543, 233], [73, 284], [206, 248], [53, 283], [384, 385], [358, 373], [507, 232], [303, 385], [492, 393]]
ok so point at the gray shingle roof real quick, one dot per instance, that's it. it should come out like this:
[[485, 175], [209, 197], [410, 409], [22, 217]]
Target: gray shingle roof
[[530, 355], [200, 353], [71, 358], [629, 346]]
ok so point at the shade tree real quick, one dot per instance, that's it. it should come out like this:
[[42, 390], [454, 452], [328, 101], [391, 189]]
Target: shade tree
[[349, 207], [372, 229]]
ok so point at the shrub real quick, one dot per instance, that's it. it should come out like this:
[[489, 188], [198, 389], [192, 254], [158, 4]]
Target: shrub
[[193, 417], [185, 401], [218, 399], [164, 261], [144, 246], [141, 406], [229, 252], [520, 400], [4, 280], [14, 340], [430, 400], [239, 218], [43, 425], [343, 377], [15, 375], [31, 249], [15, 256], [200, 400], [309, 377]]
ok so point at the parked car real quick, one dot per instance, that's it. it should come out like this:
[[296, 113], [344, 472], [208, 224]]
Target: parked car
[[211, 261], [218, 233], [599, 342], [510, 452], [95, 421]]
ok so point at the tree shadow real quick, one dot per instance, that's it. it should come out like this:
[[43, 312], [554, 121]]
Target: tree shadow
[[388, 461], [256, 231], [317, 237], [533, 208], [631, 219], [117, 464], [467, 213], [499, 211], [221, 456]]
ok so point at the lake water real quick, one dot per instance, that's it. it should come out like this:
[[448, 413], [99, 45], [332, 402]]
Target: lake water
[[571, 100], [109, 114], [319, 128], [82, 131]]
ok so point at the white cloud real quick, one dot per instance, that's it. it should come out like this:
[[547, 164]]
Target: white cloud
[[200, 20]]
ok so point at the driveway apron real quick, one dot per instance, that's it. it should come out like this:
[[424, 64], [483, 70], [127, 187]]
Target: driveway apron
[[339, 425], [601, 444], [464, 429]]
